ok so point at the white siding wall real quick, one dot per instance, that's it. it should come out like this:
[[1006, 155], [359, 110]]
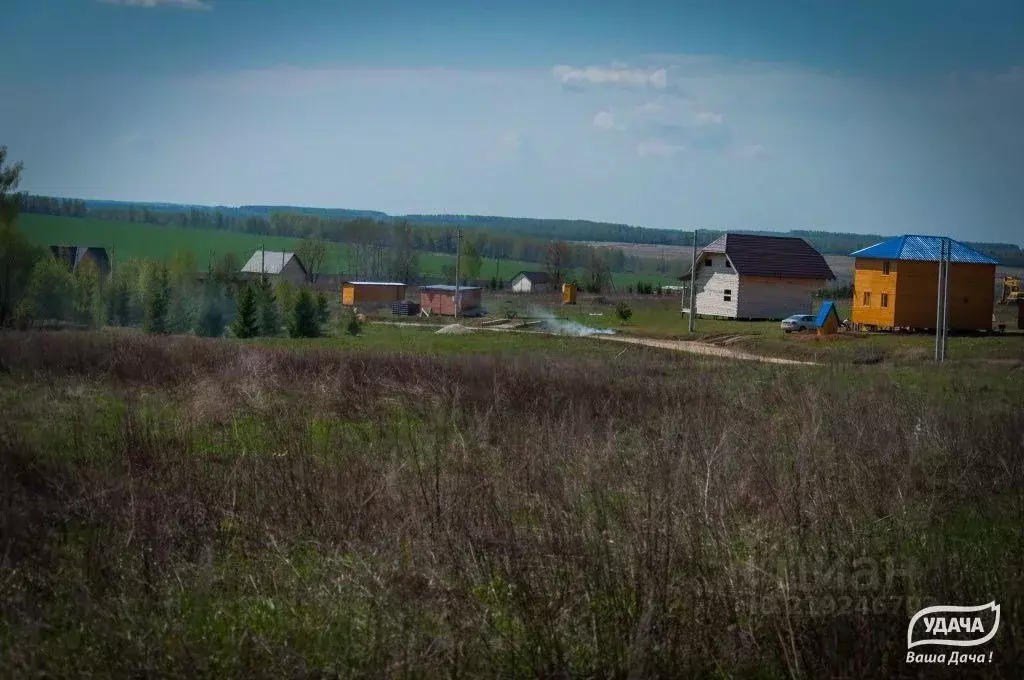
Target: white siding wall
[[521, 285], [770, 298], [712, 282], [524, 285]]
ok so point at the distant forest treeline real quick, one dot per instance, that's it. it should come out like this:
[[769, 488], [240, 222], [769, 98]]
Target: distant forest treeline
[[516, 238]]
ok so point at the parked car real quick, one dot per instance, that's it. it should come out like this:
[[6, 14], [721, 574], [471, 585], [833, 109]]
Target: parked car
[[798, 322]]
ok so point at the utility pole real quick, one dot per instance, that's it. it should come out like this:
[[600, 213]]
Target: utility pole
[[940, 320], [693, 278], [945, 298], [263, 263], [458, 270]]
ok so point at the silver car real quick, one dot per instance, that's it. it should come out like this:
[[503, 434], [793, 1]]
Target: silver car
[[798, 322]]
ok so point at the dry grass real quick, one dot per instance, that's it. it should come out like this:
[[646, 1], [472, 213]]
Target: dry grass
[[202, 508]]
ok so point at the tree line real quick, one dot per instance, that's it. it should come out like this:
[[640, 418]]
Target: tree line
[[372, 240], [158, 297]]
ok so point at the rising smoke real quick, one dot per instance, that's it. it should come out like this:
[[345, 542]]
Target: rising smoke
[[552, 324]]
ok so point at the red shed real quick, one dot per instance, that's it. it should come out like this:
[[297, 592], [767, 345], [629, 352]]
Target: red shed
[[441, 299]]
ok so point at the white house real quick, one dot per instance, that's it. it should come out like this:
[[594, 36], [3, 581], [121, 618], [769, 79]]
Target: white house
[[746, 276], [275, 264], [531, 282]]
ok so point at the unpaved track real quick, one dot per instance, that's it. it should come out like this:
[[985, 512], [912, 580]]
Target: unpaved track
[[695, 347], [691, 346]]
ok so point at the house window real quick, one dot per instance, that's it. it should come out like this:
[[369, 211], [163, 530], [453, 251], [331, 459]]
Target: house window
[[707, 261], [885, 269], [727, 295], [885, 299], [867, 299], [727, 263]]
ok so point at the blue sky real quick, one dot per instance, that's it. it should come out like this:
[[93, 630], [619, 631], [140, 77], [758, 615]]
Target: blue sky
[[883, 117]]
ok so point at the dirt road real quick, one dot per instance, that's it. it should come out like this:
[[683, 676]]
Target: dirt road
[[691, 346], [695, 347]]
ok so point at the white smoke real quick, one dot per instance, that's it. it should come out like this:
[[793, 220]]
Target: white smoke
[[552, 324]]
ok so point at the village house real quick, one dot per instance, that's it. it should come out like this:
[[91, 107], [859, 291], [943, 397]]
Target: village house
[[74, 256], [747, 276], [440, 299], [896, 282], [275, 265], [531, 282]]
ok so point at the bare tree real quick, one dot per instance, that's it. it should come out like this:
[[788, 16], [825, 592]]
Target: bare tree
[[313, 253]]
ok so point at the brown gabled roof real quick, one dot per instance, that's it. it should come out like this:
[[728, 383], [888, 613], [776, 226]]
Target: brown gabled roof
[[776, 256]]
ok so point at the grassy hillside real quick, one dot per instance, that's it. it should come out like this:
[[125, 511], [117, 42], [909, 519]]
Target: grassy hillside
[[179, 507], [127, 240]]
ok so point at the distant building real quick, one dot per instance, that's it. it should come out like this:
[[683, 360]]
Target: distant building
[[441, 299], [371, 292], [275, 265], [896, 283], [531, 282], [747, 276], [74, 256]]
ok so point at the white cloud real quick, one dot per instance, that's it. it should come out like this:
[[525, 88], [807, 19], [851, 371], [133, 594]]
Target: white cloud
[[707, 118], [617, 76], [658, 147], [182, 4], [752, 151], [604, 120]]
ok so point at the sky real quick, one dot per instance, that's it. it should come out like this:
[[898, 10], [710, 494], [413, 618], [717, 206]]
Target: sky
[[885, 117]]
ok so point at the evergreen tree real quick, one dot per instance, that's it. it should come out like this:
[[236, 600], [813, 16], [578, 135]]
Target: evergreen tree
[[303, 322], [157, 300], [353, 326], [210, 323], [181, 316], [323, 312], [118, 301], [270, 320], [246, 323]]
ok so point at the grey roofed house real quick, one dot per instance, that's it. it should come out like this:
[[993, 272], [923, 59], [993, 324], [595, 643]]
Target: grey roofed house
[[275, 263], [73, 256]]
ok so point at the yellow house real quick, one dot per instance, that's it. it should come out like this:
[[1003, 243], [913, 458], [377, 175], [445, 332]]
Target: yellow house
[[895, 285]]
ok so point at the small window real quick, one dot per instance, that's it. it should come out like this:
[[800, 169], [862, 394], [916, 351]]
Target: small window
[[728, 264], [707, 261], [727, 295], [885, 269], [885, 299], [867, 299]]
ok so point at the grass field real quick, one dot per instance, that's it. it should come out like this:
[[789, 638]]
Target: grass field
[[178, 507], [659, 317], [132, 240]]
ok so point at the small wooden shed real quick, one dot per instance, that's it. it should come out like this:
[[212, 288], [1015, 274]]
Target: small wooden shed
[[440, 299], [827, 322], [371, 292], [568, 293]]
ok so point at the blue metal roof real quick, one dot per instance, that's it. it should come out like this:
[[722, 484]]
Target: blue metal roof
[[826, 309], [926, 248]]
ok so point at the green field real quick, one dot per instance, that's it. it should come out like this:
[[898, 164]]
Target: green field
[[126, 240]]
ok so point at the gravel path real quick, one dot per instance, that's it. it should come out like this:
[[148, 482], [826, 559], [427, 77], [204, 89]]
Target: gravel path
[[691, 346]]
